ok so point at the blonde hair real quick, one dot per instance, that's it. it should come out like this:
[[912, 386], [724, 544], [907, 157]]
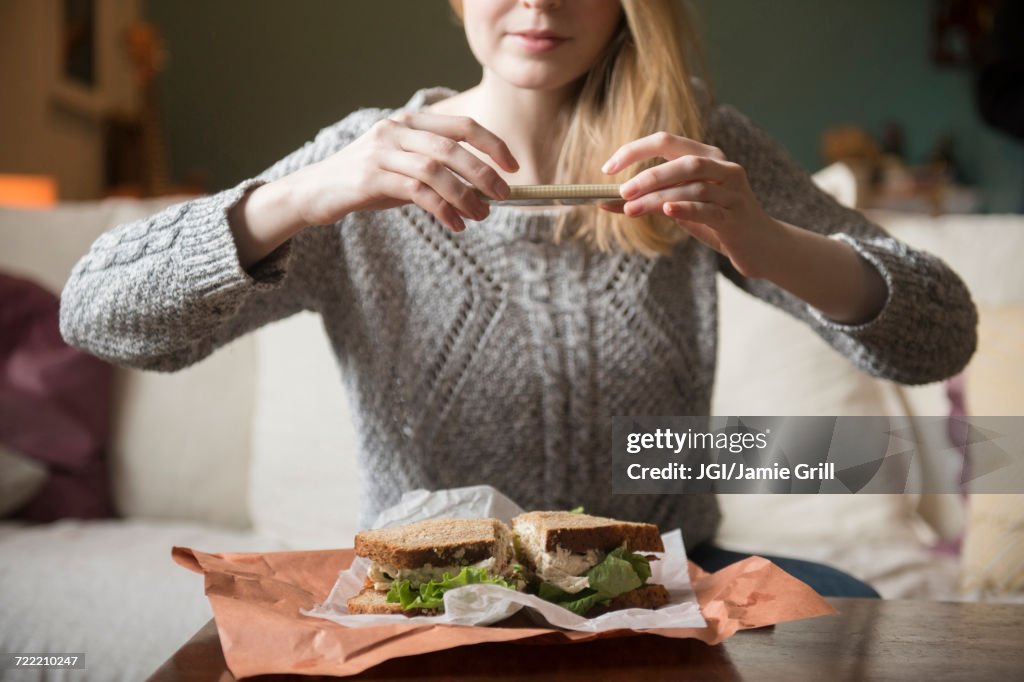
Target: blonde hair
[[641, 84]]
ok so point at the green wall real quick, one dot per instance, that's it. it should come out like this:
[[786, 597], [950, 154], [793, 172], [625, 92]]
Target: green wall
[[251, 80], [799, 66]]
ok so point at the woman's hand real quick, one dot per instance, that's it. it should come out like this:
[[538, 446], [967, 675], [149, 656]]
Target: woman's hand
[[704, 192], [412, 157], [710, 197]]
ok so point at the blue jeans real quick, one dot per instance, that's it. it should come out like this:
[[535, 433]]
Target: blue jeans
[[826, 581]]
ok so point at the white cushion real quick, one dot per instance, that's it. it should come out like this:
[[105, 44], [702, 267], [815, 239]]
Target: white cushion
[[179, 442], [769, 363], [840, 181], [983, 249], [792, 371], [109, 589], [20, 480], [181, 447], [993, 553], [44, 245], [305, 487], [995, 376]]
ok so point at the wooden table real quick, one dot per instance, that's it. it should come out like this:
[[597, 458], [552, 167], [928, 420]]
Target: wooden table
[[868, 640]]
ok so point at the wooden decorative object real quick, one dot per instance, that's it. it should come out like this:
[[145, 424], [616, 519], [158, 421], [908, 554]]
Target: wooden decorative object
[[137, 162]]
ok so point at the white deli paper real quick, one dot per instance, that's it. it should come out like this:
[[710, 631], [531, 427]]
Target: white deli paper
[[487, 604]]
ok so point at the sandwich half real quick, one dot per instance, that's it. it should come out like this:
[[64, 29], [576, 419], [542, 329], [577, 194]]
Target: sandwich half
[[414, 565], [588, 563]]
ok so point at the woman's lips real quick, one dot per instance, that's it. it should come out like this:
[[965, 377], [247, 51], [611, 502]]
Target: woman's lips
[[535, 44]]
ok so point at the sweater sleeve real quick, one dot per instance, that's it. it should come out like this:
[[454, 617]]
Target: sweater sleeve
[[165, 291], [927, 329]]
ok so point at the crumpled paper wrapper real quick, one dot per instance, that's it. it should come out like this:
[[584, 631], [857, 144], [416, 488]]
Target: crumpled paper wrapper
[[258, 601]]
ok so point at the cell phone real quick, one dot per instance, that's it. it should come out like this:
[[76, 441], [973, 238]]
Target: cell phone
[[557, 195]]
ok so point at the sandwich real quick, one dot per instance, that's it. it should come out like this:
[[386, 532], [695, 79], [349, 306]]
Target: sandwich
[[589, 564], [414, 565]]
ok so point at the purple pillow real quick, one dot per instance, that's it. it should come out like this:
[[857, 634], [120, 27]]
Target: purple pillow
[[54, 405]]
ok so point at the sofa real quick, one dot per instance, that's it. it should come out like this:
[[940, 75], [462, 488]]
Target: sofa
[[252, 450]]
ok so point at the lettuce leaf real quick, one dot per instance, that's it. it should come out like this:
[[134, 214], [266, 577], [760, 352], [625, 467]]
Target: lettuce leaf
[[639, 563], [579, 603], [430, 595], [614, 576], [620, 572]]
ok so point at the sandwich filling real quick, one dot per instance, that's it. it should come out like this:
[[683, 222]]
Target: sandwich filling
[[564, 569], [383, 575], [579, 581], [424, 587]]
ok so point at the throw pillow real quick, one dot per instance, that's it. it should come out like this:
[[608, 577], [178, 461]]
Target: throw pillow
[[54, 405]]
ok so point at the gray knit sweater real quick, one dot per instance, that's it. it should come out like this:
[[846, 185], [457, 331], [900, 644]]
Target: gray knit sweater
[[495, 355]]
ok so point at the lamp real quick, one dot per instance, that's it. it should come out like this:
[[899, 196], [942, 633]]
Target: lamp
[[27, 191]]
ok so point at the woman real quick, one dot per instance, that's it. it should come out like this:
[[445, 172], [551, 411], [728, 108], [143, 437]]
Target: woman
[[499, 353]]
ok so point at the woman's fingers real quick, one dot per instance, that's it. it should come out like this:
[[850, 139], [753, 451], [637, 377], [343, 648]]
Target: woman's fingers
[[461, 129], [456, 157], [685, 169], [708, 215], [436, 175], [406, 188], [704, 233], [682, 216], [703, 192], [658, 145]]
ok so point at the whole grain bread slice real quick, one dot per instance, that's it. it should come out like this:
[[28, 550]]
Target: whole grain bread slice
[[649, 596], [438, 542], [581, 532], [370, 600]]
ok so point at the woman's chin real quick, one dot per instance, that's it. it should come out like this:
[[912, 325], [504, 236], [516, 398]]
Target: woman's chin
[[537, 81]]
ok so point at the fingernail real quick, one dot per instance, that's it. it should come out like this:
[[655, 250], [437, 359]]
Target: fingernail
[[607, 167], [627, 191]]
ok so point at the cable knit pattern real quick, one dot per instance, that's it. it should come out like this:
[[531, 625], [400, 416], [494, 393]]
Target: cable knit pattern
[[496, 355]]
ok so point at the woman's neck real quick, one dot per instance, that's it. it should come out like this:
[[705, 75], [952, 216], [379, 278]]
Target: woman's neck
[[531, 122]]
